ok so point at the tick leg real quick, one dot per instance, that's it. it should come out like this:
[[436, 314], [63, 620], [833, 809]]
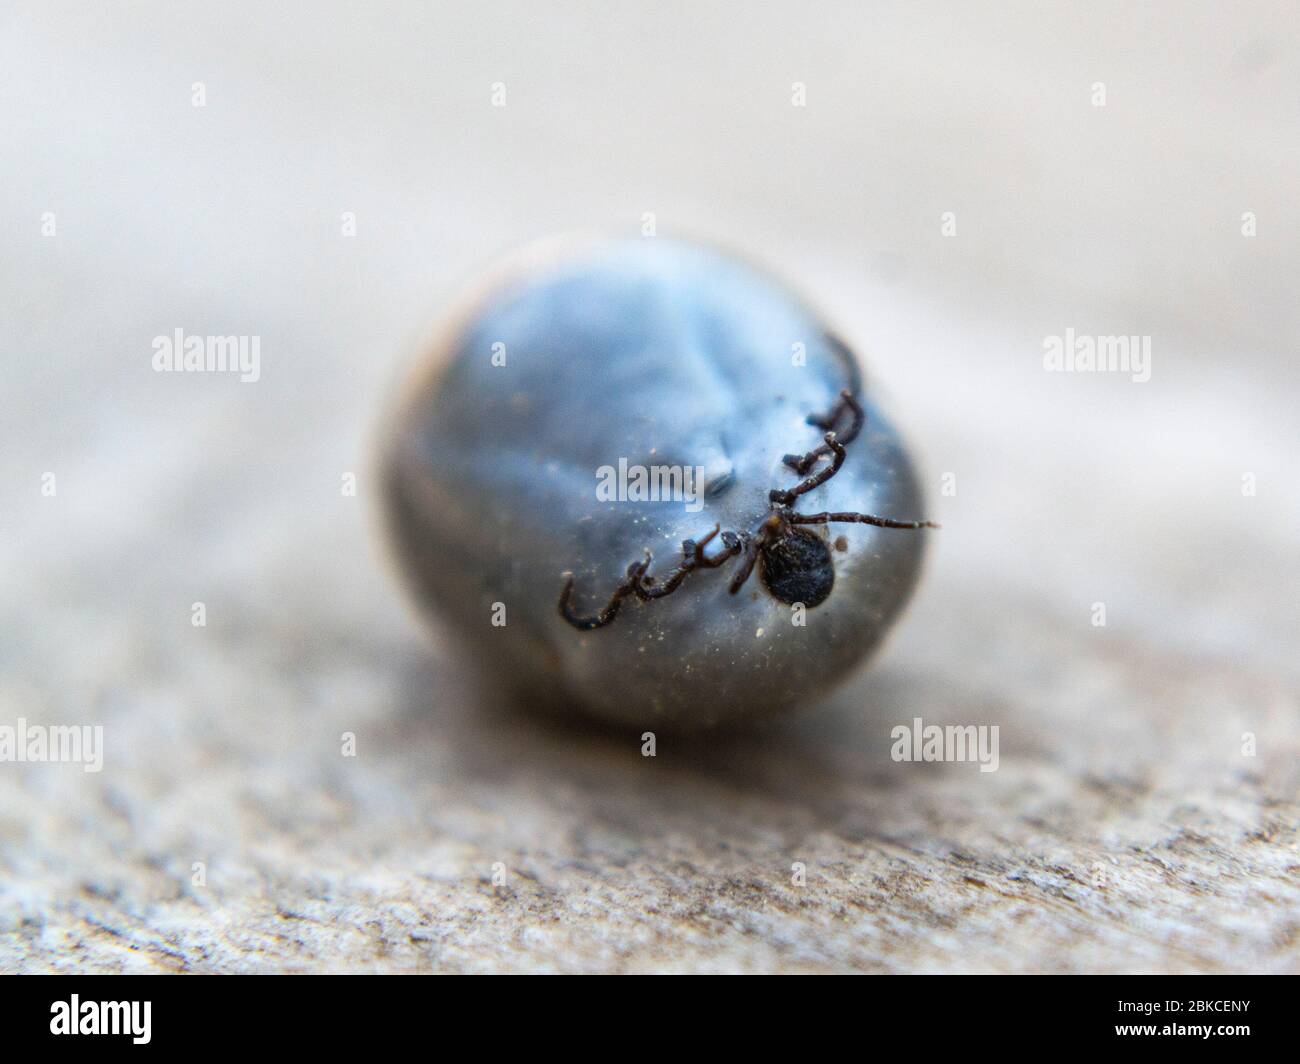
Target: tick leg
[[730, 548], [861, 519], [635, 572], [747, 560], [785, 498], [597, 620], [646, 587], [802, 463], [693, 557]]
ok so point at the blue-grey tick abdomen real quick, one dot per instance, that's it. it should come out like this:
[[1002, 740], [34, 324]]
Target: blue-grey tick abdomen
[[623, 397]]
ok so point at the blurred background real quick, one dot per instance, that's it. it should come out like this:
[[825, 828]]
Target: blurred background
[[951, 184]]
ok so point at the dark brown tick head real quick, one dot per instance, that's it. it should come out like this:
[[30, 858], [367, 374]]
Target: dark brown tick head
[[797, 567]]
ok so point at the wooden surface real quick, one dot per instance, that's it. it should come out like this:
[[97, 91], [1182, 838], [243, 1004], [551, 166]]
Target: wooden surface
[[1125, 829]]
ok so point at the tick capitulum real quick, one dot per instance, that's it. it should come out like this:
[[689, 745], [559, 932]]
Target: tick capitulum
[[794, 564]]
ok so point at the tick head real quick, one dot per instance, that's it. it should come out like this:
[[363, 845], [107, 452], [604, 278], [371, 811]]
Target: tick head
[[797, 567]]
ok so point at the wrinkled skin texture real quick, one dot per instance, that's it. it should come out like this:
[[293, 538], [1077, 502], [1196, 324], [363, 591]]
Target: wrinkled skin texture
[[663, 353]]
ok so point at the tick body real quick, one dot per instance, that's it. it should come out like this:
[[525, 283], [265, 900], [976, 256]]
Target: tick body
[[732, 599]]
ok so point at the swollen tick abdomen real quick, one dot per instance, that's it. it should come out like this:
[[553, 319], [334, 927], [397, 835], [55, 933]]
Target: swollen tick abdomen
[[651, 354]]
